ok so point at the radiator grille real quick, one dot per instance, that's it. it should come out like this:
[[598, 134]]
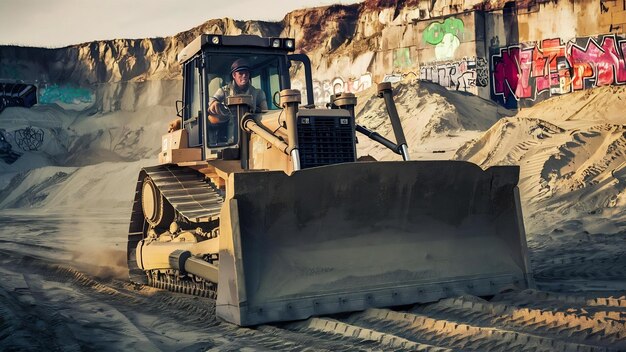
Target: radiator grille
[[325, 140]]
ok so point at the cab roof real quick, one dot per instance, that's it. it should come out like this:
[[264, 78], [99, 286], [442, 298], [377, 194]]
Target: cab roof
[[243, 40]]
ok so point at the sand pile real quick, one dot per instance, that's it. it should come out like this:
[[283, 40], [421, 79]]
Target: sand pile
[[73, 139], [436, 121], [91, 188], [87, 151], [571, 151]]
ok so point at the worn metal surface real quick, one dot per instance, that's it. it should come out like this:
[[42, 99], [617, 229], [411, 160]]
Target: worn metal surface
[[187, 192], [351, 236]]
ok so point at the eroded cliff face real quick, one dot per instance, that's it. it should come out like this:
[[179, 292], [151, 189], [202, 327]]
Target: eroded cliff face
[[115, 74], [119, 60], [329, 33]]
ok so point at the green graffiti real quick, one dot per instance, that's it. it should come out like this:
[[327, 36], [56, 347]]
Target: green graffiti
[[402, 58], [434, 33], [65, 94], [453, 26]]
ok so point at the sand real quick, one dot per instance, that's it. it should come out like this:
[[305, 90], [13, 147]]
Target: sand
[[64, 212]]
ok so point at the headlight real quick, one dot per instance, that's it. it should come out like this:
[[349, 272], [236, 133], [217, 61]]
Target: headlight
[[276, 43], [289, 44], [215, 39]]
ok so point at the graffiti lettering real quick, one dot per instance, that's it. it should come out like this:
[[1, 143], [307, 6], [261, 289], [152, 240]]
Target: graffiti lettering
[[446, 36], [392, 78], [482, 72], [29, 138], [598, 64], [462, 75], [505, 72], [532, 71], [434, 33], [322, 90]]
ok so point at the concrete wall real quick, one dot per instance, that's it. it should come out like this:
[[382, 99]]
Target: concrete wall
[[524, 74], [534, 50], [452, 52], [554, 48]]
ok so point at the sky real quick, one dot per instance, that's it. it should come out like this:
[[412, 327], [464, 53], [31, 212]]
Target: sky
[[56, 23]]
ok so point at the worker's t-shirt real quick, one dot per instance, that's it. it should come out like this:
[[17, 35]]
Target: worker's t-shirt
[[258, 95]]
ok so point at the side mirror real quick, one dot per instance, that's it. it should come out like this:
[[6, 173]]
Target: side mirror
[[274, 101], [180, 106]]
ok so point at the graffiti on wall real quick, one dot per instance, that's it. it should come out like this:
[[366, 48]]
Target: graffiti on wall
[[603, 7], [29, 138], [464, 75], [322, 90], [529, 72], [445, 36], [65, 94], [402, 58], [482, 72]]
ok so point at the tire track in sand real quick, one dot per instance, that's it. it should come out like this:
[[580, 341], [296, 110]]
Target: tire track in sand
[[520, 321]]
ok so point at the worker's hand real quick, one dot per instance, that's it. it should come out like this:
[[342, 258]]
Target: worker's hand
[[214, 107], [174, 125]]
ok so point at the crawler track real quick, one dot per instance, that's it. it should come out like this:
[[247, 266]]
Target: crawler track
[[194, 201]]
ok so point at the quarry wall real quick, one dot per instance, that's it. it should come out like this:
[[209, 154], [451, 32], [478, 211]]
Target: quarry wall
[[516, 52]]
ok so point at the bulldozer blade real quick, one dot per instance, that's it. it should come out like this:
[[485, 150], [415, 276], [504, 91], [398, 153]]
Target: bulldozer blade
[[348, 237]]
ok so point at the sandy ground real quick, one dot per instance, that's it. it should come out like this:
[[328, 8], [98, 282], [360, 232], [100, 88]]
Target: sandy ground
[[61, 293], [64, 213]]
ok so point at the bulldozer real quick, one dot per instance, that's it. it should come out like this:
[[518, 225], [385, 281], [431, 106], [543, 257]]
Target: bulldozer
[[271, 212]]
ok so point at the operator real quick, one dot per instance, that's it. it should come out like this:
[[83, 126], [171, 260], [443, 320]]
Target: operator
[[240, 72]]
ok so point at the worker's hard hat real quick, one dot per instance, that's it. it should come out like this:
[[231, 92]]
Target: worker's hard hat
[[239, 65]]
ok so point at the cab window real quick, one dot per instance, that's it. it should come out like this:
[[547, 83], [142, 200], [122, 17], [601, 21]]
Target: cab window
[[263, 71]]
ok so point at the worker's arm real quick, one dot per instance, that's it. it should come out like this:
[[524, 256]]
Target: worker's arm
[[216, 99]]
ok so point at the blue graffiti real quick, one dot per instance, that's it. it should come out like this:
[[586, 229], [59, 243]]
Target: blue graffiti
[[65, 94]]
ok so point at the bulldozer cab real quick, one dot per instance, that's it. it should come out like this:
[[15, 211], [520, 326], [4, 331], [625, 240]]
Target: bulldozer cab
[[208, 77]]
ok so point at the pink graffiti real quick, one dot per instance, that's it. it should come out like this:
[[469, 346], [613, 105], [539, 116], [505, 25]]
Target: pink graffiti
[[506, 72], [524, 71], [545, 69], [600, 62], [524, 89], [541, 70]]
